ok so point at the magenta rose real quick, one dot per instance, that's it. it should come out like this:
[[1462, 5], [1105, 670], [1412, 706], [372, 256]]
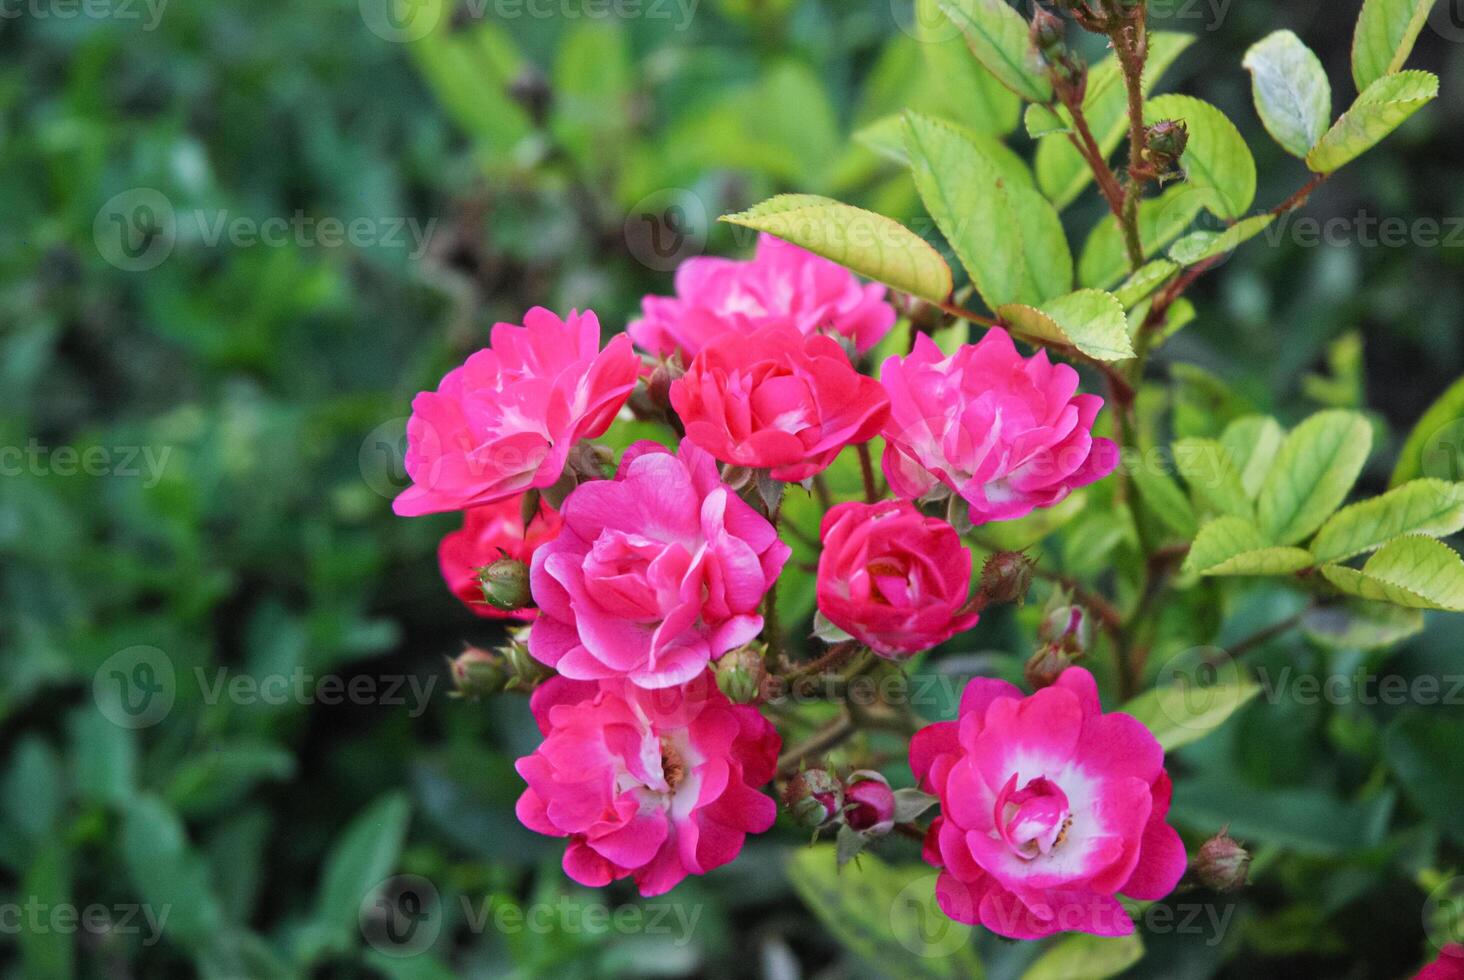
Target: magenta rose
[[506, 420], [783, 284], [655, 785], [1049, 809], [777, 400], [489, 533], [893, 578], [1449, 965], [654, 574], [1006, 433]]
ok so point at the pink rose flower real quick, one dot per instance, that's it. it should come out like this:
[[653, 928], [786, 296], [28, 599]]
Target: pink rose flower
[[869, 803], [893, 578], [784, 284], [655, 785], [506, 419], [655, 573], [1049, 808], [488, 532], [1007, 433], [1449, 965], [777, 400]]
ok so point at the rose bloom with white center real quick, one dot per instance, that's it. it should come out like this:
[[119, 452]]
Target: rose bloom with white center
[[652, 785], [1049, 809]]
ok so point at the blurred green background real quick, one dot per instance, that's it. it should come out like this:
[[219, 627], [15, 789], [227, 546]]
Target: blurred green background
[[238, 236]]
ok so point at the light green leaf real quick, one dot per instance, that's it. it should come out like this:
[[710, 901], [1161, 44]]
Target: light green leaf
[[1090, 320], [33, 792], [1430, 507], [1198, 246], [1161, 220], [1417, 572], [1357, 625], [1185, 712], [1082, 957], [1040, 120], [953, 84], [1253, 441], [868, 243], [1234, 546], [1386, 32], [886, 136], [1166, 500], [1044, 243], [1061, 171], [103, 759], [963, 193], [47, 953], [1382, 107], [1216, 156], [1142, 283], [1292, 94], [1211, 473], [362, 858], [886, 916], [168, 873], [1001, 40], [1316, 466], [1435, 447]]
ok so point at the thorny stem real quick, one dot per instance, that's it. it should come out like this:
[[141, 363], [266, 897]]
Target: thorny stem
[[1131, 47]]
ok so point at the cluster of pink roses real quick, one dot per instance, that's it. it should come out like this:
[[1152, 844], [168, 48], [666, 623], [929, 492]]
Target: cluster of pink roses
[[642, 580]]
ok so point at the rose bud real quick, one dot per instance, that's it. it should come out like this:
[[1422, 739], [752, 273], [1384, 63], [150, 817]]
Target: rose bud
[[1065, 626], [1045, 666], [869, 803], [814, 797], [1006, 576], [476, 673], [742, 675], [1222, 863], [505, 584]]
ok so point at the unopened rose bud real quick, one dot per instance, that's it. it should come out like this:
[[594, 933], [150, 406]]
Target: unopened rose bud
[[1066, 626], [658, 385], [1047, 34], [1222, 864], [1166, 141], [477, 673], [1006, 576], [869, 805], [1045, 666], [742, 675], [814, 798], [505, 584]]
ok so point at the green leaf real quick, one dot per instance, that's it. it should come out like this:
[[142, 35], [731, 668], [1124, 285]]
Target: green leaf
[[1001, 40], [1416, 572], [167, 873], [1161, 220], [218, 777], [967, 196], [47, 953], [1386, 32], [1208, 468], [1166, 500], [1142, 283], [1252, 442], [1185, 712], [886, 136], [1316, 466], [953, 84], [1234, 546], [103, 759], [886, 916], [1041, 120], [1061, 171], [1082, 957], [34, 790], [868, 243], [1382, 107], [1292, 94], [1198, 246], [471, 71], [1435, 447], [1357, 625], [1430, 507], [1422, 749], [361, 859], [1216, 156], [1090, 320]]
